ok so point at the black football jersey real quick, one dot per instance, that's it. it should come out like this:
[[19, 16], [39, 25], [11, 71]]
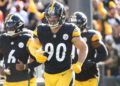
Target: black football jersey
[[58, 46], [12, 50], [89, 36]]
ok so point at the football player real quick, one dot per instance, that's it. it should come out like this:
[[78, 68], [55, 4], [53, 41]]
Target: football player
[[13, 49], [56, 39], [96, 53]]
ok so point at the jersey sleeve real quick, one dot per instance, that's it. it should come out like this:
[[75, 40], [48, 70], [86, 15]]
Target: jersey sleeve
[[35, 32], [76, 31], [96, 36]]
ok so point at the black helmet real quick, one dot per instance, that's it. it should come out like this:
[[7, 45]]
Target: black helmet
[[13, 21], [79, 19], [55, 9]]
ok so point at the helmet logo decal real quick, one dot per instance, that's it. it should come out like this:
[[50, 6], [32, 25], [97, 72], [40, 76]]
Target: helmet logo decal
[[65, 36], [20, 44]]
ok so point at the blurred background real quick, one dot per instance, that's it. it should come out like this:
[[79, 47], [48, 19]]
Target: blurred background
[[103, 15]]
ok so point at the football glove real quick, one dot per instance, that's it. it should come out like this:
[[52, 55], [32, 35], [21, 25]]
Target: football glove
[[77, 67], [40, 58]]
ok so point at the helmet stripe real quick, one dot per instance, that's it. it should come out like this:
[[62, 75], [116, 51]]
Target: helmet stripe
[[74, 15], [8, 16], [52, 7]]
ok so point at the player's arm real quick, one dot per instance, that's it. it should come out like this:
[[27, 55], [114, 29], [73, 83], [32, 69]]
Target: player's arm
[[20, 66], [102, 10], [83, 50], [32, 63], [34, 48]]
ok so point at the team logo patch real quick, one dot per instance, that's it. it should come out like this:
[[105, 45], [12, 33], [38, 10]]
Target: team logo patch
[[21, 45], [65, 36]]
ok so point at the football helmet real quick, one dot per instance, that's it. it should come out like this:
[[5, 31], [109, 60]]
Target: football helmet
[[13, 24], [55, 13], [79, 19]]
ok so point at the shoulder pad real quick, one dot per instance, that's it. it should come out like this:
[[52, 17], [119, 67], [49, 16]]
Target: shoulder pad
[[76, 31]]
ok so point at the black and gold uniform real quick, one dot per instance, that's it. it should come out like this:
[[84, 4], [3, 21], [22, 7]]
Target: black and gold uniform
[[96, 53], [13, 48], [92, 36], [89, 71], [56, 38], [58, 46]]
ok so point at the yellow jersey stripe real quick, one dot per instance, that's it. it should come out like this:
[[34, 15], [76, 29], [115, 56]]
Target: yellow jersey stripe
[[76, 34], [35, 33], [28, 42]]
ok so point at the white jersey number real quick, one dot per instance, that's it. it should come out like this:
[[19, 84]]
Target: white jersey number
[[11, 58], [50, 49]]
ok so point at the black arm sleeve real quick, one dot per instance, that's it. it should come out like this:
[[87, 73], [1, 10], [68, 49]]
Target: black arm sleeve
[[33, 64], [101, 53]]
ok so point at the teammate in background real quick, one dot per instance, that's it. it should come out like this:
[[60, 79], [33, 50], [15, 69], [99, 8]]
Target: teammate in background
[[13, 49], [56, 39], [97, 52]]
